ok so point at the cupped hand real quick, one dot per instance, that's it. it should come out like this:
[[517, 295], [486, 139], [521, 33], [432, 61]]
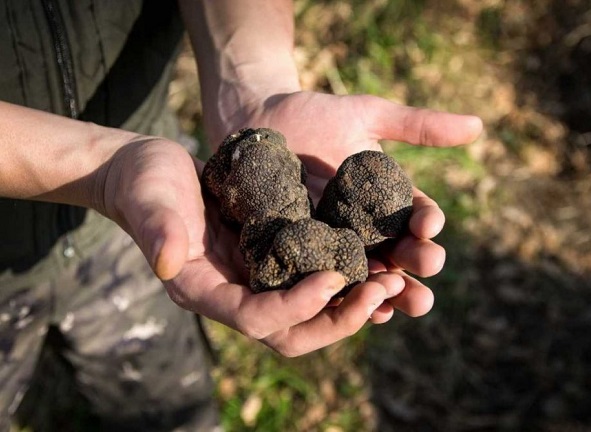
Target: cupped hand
[[150, 187], [325, 129]]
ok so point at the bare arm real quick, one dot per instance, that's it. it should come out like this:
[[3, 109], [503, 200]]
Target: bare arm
[[244, 52], [132, 179], [52, 158], [248, 78]]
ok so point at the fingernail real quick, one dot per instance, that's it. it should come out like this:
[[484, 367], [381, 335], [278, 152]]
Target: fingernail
[[155, 252]]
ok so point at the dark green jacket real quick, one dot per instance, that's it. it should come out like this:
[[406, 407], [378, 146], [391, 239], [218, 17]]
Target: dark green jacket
[[105, 61]]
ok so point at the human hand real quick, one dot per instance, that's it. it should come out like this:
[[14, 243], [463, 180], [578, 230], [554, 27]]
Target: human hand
[[240, 87], [325, 129], [151, 188]]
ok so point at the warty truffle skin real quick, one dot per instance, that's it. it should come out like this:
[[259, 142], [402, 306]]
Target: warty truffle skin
[[369, 194], [254, 171], [258, 233], [308, 246], [260, 185]]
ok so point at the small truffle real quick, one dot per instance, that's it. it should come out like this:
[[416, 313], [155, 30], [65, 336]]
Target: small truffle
[[369, 194], [308, 246]]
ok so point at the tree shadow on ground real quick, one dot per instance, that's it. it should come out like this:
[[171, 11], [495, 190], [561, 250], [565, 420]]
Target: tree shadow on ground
[[507, 346], [551, 44]]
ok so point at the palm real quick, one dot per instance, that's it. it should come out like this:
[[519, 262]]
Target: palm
[[152, 186], [325, 129], [333, 131], [151, 189]]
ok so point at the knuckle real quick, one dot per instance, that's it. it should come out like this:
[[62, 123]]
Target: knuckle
[[178, 297], [349, 324], [288, 351], [249, 329]]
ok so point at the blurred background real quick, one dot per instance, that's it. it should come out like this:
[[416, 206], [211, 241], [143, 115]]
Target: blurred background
[[507, 346]]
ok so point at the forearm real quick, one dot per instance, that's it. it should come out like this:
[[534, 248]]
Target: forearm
[[244, 51], [51, 158]]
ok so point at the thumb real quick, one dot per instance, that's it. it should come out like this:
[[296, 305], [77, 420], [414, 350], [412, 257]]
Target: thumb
[[164, 239], [422, 126]]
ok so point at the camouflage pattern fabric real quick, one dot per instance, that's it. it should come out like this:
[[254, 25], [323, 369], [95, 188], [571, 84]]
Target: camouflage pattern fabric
[[138, 358]]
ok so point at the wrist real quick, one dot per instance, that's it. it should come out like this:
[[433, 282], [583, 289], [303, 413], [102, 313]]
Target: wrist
[[242, 90], [52, 158], [104, 144], [244, 52]]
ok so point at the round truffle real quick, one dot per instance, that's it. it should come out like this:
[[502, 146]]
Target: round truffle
[[253, 171], [369, 194], [308, 246]]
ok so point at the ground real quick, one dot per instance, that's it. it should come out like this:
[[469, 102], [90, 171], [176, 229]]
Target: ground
[[506, 347]]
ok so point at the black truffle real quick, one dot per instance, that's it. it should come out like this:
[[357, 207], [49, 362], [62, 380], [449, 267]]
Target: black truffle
[[308, 246], [369, 194], [254, 171], [258, 233], [260, 185]]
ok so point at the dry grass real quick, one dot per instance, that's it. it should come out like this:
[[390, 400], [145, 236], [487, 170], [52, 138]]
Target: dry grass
[[506, 347]]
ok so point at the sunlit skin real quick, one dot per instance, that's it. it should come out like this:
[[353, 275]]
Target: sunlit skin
[[158, 196], [248, 77], [150, 186]]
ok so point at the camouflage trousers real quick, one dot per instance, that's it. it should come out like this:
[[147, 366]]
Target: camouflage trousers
[[138, 359]]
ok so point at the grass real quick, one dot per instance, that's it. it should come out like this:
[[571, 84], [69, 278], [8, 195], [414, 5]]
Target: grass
[[441, 372], [327, 390], [260, 390], [431, 169]]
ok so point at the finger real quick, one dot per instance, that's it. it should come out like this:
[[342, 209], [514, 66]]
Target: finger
[[421, 257], [416, 299], [427, 219], [376, 265], [382, 314], [163, 238], [393, 282], [420, 126], [262, 314], [331, 324]]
